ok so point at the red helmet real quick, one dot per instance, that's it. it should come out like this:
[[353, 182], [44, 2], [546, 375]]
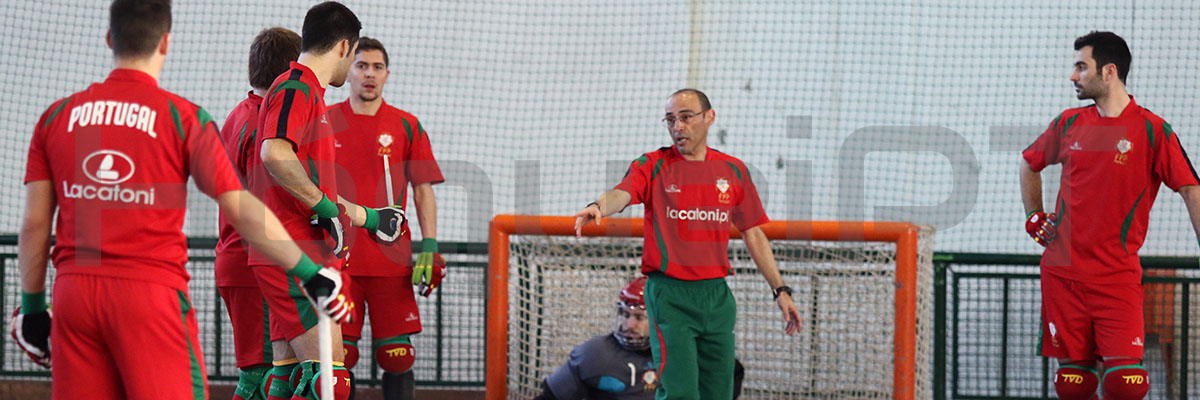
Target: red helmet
[[632, 295]]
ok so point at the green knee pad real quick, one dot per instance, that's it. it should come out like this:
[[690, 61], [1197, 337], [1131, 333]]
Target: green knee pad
[[279, 384], [250, 383], [308, 389]]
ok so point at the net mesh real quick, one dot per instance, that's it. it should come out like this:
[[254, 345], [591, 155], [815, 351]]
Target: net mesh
[[559, 287]]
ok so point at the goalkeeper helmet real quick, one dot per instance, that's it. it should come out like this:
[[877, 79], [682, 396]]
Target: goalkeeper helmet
[[631, 328]]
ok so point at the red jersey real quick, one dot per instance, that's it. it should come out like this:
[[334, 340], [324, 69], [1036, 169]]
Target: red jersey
[[391, 136], [119, 155], [294, 110], [1111, 171], [689, 206], [238, 136]]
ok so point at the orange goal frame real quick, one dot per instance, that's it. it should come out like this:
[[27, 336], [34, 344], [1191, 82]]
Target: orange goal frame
[[902, 233]]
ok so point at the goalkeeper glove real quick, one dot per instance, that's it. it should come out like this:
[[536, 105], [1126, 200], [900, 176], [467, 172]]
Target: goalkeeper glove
[[31, 330], [1041, 227], [387, 223], [430, 268], [332, 218], [320, 282]]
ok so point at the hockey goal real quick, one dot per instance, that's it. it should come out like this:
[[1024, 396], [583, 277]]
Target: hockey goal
[[864, 289]]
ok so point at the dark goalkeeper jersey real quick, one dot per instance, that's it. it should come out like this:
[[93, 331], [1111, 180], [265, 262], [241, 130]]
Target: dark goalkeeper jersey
[[600, 369]]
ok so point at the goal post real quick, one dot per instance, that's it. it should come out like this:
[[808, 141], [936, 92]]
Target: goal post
[[901, 265]]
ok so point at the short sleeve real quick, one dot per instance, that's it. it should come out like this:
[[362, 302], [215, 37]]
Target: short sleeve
[[287, 112], [37, 165], [749, 212], [1171, 163], [208, 162], [422, 166], [637, 180], [1044, 150]]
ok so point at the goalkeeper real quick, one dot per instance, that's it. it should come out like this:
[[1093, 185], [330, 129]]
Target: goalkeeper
[[115, 160], [601, 367], [384, 150], [692, 195], [1114, 155]]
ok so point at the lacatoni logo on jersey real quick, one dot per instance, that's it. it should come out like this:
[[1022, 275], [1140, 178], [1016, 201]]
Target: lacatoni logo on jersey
[[109, 168], [113, 113], [697, 214]]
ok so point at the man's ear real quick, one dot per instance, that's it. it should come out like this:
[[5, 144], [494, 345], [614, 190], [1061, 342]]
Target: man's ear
[[163, 43], [108, 38]]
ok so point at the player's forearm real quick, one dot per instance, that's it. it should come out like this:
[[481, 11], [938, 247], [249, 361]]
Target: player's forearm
[[764, 259], [280, 161], [33, 244], [426, 206], [613, 201], [1031, 188], [259, 227], [1191, 199], [358, 215]]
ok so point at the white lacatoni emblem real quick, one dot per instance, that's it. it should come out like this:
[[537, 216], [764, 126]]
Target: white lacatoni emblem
[[722, 185], [1124, 145], [105, 173], [1053, 331], [672, 188], [385, 140]]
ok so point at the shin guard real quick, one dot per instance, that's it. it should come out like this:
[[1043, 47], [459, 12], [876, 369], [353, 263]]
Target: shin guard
[[1125, 379], [250, 383], [1074, 382], [278, 384]]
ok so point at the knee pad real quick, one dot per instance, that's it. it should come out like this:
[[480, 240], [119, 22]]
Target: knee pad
[[250, 384], [1125, 379], [310, 382], [1075, 382], [279, 383], [350, 350], [395, 354]]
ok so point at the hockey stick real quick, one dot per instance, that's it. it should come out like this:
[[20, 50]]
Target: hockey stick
[[325, 341], [387, 179]]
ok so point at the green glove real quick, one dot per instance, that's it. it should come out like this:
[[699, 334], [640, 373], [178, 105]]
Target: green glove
[[429, 269]]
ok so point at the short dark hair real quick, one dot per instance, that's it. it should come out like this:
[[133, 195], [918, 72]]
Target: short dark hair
[[704, 104], [366, 43], [270, 55], [135, 26], [1107, 48], [326, 24]]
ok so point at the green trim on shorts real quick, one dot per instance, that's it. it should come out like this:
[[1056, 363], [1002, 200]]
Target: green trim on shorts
[[304, 308], [267, 350], [198, 391]]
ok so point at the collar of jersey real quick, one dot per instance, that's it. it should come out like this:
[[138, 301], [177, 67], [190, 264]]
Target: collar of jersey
[[131, 75], [312, 76]]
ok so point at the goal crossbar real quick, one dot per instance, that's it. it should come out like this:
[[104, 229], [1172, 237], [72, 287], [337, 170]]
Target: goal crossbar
[[903, 234]]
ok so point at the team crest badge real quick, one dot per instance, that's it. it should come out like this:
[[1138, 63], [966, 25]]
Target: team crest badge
[[651, 379], [385, 143], [723, 185], [1123, 146]]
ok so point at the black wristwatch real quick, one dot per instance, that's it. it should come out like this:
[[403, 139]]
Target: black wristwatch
[[782, 289]]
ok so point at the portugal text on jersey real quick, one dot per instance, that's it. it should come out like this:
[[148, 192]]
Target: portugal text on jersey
[[113, 113]]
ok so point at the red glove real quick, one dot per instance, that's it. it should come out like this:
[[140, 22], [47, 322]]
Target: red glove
[[1042, 227], [433, 276]]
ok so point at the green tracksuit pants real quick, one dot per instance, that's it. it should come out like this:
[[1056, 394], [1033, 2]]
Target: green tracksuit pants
[[691, 337]]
